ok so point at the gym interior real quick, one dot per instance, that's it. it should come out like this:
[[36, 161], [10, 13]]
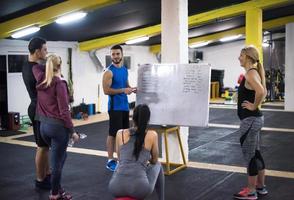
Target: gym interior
[[210, 165]]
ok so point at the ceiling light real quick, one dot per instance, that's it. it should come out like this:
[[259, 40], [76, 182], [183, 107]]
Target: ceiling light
[[230, 38], [266, 32], [265, 44], [200, 44], [26, 31], [137, 40], [70, 17]]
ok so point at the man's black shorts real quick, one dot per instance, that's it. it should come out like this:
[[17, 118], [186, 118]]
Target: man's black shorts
[[36, 127], [118, 120]]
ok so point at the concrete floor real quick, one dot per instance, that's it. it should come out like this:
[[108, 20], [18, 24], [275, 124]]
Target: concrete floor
[[215, 169]]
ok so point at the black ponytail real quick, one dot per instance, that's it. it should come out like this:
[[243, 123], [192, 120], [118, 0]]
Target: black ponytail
[[141, 118]]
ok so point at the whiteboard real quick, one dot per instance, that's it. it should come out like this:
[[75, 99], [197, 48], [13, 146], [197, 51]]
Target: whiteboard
[[177, 94]]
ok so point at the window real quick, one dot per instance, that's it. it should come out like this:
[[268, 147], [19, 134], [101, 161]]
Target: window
[[15, 63]]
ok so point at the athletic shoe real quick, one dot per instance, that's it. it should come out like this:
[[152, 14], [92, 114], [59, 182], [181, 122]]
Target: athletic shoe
[[262, 190], [59, 197], [111, 165], [246, 194], [62, 195], [45, 184]]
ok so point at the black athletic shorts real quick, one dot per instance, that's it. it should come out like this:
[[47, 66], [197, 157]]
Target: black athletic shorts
[[36, 127], [118, 120]]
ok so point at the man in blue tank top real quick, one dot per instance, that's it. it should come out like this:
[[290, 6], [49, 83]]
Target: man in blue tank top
[[117, 87]]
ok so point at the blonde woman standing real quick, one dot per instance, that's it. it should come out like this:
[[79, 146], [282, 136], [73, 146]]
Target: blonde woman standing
[[54, 114], [251, 93]]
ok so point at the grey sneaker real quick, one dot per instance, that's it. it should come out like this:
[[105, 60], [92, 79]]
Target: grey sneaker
[[262, 190]]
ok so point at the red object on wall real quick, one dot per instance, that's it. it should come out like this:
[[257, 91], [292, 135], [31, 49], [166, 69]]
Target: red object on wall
[[240, 78]]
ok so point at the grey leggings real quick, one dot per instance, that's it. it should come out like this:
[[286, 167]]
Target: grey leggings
[[250, 143], [139, 186]]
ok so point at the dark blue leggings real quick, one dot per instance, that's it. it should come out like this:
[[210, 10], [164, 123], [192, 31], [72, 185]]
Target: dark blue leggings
[[56, 136]]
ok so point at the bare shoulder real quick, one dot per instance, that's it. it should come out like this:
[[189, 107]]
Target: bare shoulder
[[107, 73], [252, 75], [150, 139], [252, 72], [152, 133]]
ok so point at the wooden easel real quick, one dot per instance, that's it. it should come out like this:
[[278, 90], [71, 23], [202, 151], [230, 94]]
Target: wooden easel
[[167, 163]]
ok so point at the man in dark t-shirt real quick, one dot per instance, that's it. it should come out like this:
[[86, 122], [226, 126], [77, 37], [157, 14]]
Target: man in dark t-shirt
[[38, 51]]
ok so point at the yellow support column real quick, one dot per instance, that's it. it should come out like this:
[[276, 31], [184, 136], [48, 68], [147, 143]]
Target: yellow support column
[[253, 29]]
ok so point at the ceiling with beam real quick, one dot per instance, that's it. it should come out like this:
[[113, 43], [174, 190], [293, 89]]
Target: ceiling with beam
[[117, 17]]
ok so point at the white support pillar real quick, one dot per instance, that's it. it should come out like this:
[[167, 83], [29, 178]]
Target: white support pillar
[[289, 68], [174, 49], [174, 31]]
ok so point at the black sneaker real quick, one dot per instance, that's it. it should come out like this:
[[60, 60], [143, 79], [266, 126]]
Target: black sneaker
[[45, 184], [48, 178], [262, 190]]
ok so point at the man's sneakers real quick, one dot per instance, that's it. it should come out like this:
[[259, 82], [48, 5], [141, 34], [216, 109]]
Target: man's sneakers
[[261, 190], [245, 193], [111, 165], [45, 184]]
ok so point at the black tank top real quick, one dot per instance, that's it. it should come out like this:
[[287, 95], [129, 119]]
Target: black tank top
[[245, 94]]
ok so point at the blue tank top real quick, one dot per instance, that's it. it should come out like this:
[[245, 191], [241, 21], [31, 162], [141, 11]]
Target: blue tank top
[[118, 102]]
